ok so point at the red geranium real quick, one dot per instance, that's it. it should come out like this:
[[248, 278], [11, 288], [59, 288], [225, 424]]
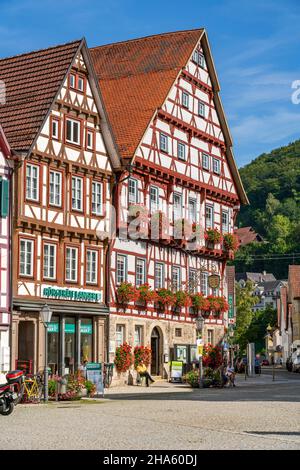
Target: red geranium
[[123, 357]]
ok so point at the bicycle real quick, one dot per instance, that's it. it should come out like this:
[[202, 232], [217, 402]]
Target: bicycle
[[33, 389], [107, 374]]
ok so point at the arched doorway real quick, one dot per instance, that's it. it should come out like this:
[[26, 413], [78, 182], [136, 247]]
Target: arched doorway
[[156, 351]]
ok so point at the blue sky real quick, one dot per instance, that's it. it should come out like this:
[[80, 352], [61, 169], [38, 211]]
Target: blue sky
[[255, 45]]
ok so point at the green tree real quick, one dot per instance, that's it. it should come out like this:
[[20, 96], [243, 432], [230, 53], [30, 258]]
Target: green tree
[[245, 301], [257, 329]]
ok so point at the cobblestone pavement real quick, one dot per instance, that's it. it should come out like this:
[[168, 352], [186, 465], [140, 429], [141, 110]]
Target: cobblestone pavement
[[257, 414]]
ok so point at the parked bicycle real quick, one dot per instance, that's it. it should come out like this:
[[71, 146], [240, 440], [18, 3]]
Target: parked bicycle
[[108, 368]]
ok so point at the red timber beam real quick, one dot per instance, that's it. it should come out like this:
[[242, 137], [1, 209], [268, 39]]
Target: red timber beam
[[188, 128], [191, 78], [143, 167]]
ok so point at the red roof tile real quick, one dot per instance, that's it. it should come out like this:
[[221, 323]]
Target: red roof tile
[[248, 235], [32, 81], [135, 77], [294, 281]]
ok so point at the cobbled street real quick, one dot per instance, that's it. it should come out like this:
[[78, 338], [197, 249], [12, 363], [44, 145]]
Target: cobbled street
[[258, 414]]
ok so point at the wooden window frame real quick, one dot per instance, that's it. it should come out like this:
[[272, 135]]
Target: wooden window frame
[[125, 257], [94, 214], [82, 210], [211, 206], [204, 154], [185, 97], [50, 204], [214, 161], [178, 269], [58, 121], [93, 132], [179, 143], [67, 281], [156, 188], [201, 103], [53, 243], [163, 135], [70, 142], [39, 183], [136, 181], [31, 276], [96, 250], [140, 258], [227, 215], [156, 263]]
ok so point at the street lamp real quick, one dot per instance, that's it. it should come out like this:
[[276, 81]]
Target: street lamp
[[199, 325], [46, 315]]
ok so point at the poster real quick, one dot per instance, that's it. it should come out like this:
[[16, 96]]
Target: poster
[[94, 373], [176, 371]]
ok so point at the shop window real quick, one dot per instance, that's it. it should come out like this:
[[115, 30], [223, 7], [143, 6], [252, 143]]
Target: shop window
[[86, 340], [53, 344], [70, 340]]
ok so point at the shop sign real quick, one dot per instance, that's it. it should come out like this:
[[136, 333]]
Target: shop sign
[[94, 373], [230, 303], [64, 293], [53, 327], [200, 346], [214, 281], [86, 329], [70, 328]]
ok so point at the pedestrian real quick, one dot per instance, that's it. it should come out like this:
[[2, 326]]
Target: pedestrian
[[231, 376], [143, 372]]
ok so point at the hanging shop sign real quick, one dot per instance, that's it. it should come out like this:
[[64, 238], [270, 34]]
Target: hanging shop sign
[[64, 293], [214, 281], [231, 309]]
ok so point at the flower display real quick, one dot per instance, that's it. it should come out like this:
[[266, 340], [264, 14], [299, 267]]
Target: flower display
[[200, 303], [142, 355], [126, 293], [212, 235], [230, 241], [123, 357], [145, 294], [217, 304], [165, 297], [212, 356], [182, 299]]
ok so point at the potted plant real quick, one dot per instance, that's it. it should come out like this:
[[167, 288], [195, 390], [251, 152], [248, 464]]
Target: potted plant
[[230, 242], [182, 299], [146, 294], [126, 293], [212, 237], [165, 298], [200, 304]]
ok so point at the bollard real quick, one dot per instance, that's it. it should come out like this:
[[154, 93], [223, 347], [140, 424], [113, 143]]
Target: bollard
[[273, 372]]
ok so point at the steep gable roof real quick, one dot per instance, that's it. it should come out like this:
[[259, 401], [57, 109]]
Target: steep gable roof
[[32, 81], [4, 145], [135, 78]]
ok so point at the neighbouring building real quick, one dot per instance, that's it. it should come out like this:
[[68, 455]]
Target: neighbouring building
[[161, 97], [268, 293], [248, 235], [5, 252], [54, 122], [287, 335]]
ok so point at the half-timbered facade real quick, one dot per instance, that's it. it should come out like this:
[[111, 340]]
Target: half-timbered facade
[[62, 179], [161, 94], [5, 252]]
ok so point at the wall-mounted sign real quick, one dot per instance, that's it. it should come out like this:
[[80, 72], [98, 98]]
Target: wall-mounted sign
[[64, 293], [214, 281], [231, 307], [86, 329], [53, 327]]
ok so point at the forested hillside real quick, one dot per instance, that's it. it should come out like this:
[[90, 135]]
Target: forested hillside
[[272, 183]]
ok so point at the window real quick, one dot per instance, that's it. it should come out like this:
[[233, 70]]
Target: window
[[90, 139], [185, 99], [209, 216], [177, 206], [204, 283], [154, 199], [26, 257], [121, 268], [32, 182], [91, 266], [120, 335], [178, 332], [159, 276], [181, 151], [193, 280], [201, 60], [176, 278], [71, 264], [140, 272], [201, 109], [225, 222], [163, 142], [216, 166], [77, 198], [55, 186], [138, 335], [96, 198], [132, 191], [73, 131], [210, 337], [205, 161], [80, 83], [55, 128], [192, 210], [49, 261], [72, 80]]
